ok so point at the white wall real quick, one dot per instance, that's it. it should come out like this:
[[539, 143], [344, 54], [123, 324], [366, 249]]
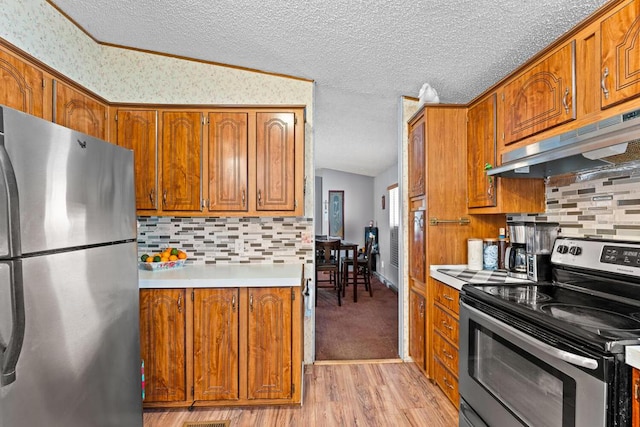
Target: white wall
[[358, 201], [381, 217]]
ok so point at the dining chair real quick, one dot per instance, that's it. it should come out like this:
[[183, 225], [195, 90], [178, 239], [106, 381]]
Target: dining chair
[[363, 266], [328, 261]]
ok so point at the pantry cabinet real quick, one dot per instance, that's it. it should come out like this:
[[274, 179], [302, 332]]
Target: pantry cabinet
[[137, 130], [162, 344], [620, 55], [541, 96], [181, 161], [221, 346], [416, 157], [22, 85], [487, 194], [417, 327], [79, 111]]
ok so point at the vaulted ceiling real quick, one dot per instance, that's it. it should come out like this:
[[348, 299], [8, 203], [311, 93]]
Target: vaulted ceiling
[[362, 55]]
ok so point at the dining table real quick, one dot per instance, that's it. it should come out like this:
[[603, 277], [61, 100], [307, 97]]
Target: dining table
[[348, 247]]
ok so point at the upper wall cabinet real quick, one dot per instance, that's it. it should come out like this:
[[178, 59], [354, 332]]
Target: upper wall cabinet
[[416, 157], [620, 50], [78, 111], [21, 87], [542, 96], [137, 130]]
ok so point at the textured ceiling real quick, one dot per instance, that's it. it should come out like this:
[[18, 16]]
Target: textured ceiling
[[363, 55]]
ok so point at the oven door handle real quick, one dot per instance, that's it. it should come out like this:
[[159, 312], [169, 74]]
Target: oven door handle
[[566, 356]]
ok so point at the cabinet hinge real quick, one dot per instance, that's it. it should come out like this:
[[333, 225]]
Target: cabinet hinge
[[115, 117], [295, 204], [192, 391], [293, 295], [44, 83], [293, 388], [192, 297], [295, 119], [204, 119], [304, 187]]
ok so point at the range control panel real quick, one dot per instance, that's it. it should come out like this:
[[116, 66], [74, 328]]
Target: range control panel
[[601, 255]]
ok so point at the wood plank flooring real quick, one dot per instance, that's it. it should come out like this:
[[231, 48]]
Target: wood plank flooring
[[355, 393]]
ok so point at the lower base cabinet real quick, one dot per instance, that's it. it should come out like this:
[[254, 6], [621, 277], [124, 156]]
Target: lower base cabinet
[[444, 339], [221, 346]]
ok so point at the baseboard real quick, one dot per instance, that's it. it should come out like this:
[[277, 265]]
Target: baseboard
[[385, 281]]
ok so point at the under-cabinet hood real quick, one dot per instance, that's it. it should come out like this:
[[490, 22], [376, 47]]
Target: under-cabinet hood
[[614, 141]]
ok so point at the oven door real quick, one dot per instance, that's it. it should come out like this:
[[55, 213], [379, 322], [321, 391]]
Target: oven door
[[508, 378]]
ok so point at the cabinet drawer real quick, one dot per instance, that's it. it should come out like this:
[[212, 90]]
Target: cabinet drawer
[[446, 324], [447, 296], [446, 353], [447, 382]]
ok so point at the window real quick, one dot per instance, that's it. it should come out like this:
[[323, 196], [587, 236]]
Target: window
[[394, 222]]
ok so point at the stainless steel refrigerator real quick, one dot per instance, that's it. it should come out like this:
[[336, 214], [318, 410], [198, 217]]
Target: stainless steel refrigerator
[[69, 335]]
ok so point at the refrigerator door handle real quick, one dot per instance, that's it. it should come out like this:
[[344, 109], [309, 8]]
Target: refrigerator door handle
[[11, 351], [9, 185]]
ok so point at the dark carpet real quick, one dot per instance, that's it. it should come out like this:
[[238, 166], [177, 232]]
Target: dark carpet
[[367, 329]]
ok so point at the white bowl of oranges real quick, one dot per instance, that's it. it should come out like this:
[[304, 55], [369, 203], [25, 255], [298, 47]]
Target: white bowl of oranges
[[165, 260]]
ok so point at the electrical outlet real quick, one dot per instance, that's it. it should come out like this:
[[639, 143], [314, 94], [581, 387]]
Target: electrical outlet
[[238, 246]]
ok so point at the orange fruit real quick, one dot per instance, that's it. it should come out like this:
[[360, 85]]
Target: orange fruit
[[182, 255], [149, 259], [173, 258]]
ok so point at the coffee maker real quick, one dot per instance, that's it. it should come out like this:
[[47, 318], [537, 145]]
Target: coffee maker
[[516, 254], [529, 255]]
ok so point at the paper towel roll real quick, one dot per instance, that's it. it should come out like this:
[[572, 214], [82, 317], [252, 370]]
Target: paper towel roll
[[474, 254]]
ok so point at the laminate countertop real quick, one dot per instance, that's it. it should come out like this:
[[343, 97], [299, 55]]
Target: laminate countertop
[[223, 276], [458, 275]]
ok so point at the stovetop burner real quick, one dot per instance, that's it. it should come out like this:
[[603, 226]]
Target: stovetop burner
[[529, 295], [605, 323]]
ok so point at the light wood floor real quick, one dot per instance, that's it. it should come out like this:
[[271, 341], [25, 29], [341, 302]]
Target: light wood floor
[[355, 393]]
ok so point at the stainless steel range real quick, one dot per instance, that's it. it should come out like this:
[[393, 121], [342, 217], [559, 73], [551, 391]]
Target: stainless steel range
[[552, 353]]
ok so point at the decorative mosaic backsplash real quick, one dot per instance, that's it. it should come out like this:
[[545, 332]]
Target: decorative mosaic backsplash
[[230, 240], [601, 203]]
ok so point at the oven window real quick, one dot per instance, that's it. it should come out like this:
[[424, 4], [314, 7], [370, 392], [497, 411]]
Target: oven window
[[531, 389]]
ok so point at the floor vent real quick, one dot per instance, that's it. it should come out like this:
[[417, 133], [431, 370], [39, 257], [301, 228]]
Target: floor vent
[[226, 423]]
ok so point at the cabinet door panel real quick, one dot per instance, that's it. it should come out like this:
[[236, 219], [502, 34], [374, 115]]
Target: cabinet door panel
[[541, 97], [417, 324], [215, 344], [620, 38], [269, 343], [417, 247], [275, 161], [137, 131], [416, 158], [181, 157], [228, 145], [481, 149], [21, 87], [162, 338], [80, 112]]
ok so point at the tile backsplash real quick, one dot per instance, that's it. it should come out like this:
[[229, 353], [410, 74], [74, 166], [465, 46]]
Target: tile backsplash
[[230, 240], [601, 203]]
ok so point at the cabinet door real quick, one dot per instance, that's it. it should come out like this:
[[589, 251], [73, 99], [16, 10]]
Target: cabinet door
[[417, 328], [275, 161], [137, 131], [269, 343], [635, 395], [417, 247], [181, 161], [541, 97], [215, 344], [416, 158], [162, 338], [21, 87], [77, 111], [228, 145], [620, 50], [481, 150]]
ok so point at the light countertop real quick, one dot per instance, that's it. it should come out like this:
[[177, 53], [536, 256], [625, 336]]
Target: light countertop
[[458, 275], [223, 276], [632, 355]]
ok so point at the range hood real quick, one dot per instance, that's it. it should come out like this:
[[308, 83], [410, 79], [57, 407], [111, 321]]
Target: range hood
[[611, 141]]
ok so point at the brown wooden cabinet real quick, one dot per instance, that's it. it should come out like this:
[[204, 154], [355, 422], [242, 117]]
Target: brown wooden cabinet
[[226, 346], [79, 111], [492, 194], [181, 161], [22, 85], [137, 130], [620, 54], [417, 265], [416, 156], [445, 341], [541, 96], [417, 327], [163, 339], [228, 161], [635, 396]]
